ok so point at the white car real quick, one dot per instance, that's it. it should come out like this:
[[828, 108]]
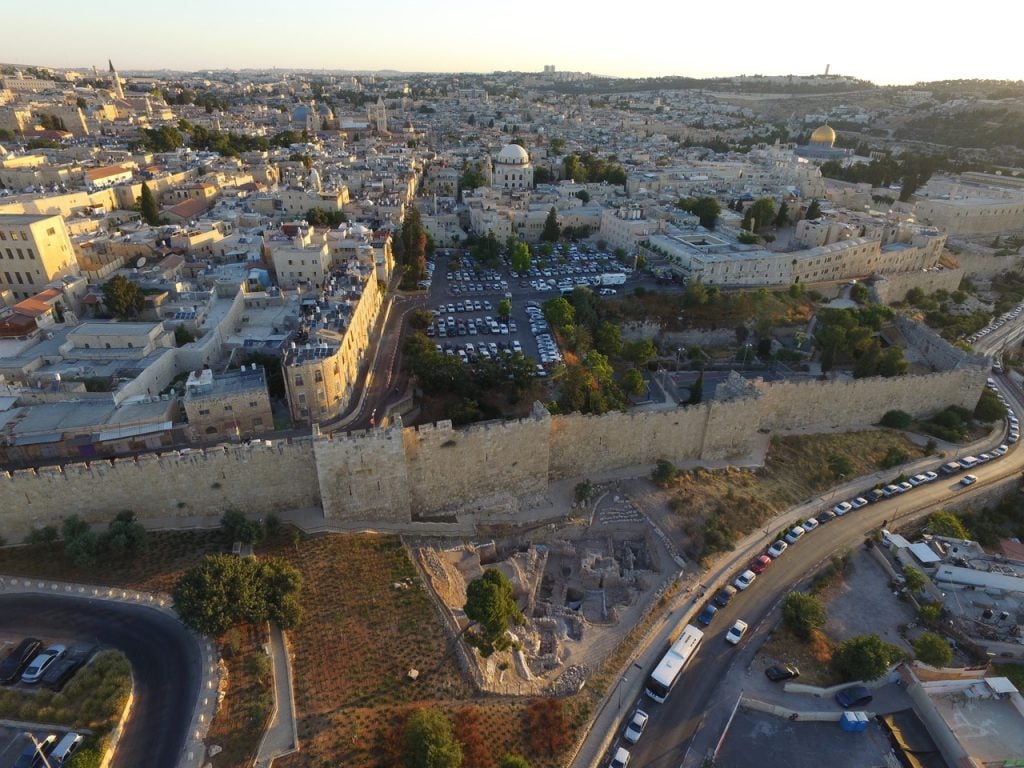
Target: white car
[[810, 524], [744, 580], [736, 632], [34, 671], [636, 727], [621, 759], [842, 508], [776, 549], [918, 479], [859, 502]]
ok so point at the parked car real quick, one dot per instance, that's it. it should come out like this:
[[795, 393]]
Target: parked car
[[14, 663], [968, 480], [744, 580], [62, 671], [32, 754], [854, 696], [65, 749], [794, 535], [760, 563], [810, 524], [725, 595], [776, 549], [825, 517], [621, 759], [636, 727], [34, 671], [842, 507], [779, 673], [736, 632], [859, 502], [705, 616]]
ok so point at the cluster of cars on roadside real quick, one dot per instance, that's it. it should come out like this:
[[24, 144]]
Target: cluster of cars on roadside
[[999, 322], [1011, 417], [53, 666], [52, 750], [547, 348]]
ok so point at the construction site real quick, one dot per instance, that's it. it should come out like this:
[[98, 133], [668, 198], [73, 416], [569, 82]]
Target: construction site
[[581, 587]]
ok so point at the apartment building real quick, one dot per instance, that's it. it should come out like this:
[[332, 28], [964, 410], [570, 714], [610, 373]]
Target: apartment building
[[33, 251]]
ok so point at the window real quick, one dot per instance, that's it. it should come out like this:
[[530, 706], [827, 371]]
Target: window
[[51, 231], [228, 408], [298, 381], [302, 398], [14, 235], [253, 404], [8, 276], [21, 255], [31, 255], [204, 411], [318, 377], [3, 235], [257, 422], [18, 275]]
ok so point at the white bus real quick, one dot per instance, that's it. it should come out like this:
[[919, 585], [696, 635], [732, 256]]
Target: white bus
[[672, 664]]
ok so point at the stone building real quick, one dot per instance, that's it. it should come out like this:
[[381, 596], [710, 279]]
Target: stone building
[[33, 251], [236, 404], [512, 168]]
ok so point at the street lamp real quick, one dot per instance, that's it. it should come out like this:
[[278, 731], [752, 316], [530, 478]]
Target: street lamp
[[39, 750]]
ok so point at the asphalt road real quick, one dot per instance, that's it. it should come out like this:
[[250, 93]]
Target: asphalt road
[[166, 664], [673, 724]]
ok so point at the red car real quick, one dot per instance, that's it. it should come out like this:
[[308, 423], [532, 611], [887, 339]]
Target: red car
[[760, 563]]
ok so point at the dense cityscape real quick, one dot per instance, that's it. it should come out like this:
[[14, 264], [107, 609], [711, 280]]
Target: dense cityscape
[[452, 419]]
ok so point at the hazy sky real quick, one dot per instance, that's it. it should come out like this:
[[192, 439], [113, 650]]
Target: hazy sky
[[887, 42]]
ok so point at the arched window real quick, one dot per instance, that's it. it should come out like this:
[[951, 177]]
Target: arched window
[[211, 430]]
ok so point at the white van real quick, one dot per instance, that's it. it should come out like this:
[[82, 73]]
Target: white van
[[969, 461], [794, 535]]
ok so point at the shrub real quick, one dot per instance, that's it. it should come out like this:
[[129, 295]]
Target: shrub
[[896, 419], [45, 535], [664, 473], [803, 614], [893, 457], [865, 657], [932, 650]]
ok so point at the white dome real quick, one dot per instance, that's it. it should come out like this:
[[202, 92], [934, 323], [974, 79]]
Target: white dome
[[513, 154]]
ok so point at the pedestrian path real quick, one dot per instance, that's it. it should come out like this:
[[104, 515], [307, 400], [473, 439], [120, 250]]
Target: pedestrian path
[[281, 737]]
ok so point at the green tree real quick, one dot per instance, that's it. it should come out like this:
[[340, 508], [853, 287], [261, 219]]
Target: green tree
[[932, 650], [519, 257], [556, 145], [813, 211], [782, 217], [148, 208], [707, 209], [81, 544], [664, 473], [472, 178], [608, 338], [947, 524], [914, 579], [123, 298], [989, 408], [551, 232], [840, 466], [125, 537], [639, 352], [696, 391], [865, 657], [429, 741], [558, 312], [759, 215], [490, 603], [514, 761], [803, 614], [632, 382], [237, 527], [896, 419], [410, 248], [583, 491], [504, 309]]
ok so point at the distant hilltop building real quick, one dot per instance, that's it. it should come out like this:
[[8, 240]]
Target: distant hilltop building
[[822, 145], [115, 81], [512, 168]]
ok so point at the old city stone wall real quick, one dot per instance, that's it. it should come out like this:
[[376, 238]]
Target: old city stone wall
[[894, 287], [257, 478], [843, 404], [435, 473]]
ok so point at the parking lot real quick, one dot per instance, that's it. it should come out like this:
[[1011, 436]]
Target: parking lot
[[466, 300]]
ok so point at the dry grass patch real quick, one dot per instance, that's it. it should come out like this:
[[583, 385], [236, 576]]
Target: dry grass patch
[[812, 658], [718, 507], [168, 555], [245, 712]]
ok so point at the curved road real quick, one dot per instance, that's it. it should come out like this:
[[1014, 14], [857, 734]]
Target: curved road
[[673, 724], [165, 657]]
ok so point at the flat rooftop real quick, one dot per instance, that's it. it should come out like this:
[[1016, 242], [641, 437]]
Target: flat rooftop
[[757, 738], [990, 729]]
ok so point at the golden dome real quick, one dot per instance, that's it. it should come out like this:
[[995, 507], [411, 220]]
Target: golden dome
[[823, 135]]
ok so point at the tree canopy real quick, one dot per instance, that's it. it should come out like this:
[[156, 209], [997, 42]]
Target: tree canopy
[[122, 297], [933, 650], [551, 232], [803, 614], [429, 741], [706, 208], [147, 206], [225, 590], [759, 214], [865, 657], [491, 603], [410, 248]]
